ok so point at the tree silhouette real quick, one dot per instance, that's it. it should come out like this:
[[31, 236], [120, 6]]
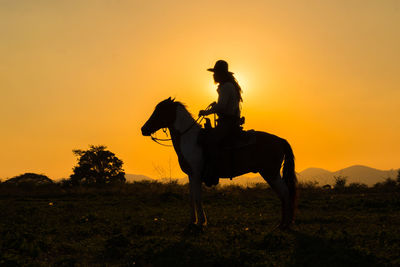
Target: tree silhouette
[[97, 166]]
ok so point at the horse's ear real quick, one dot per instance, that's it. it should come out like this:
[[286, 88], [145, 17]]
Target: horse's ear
[[169, 99], [173, 99]]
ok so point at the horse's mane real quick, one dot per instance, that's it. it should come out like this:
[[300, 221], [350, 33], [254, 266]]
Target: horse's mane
[[180, 104]]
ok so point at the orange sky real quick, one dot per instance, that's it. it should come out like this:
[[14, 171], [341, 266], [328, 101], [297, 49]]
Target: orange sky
[[325, 75]]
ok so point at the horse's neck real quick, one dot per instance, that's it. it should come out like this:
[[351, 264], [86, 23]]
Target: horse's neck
[[184, 122], [184, 133]]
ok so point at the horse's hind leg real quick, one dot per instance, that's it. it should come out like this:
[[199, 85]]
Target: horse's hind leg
[[280, 187]]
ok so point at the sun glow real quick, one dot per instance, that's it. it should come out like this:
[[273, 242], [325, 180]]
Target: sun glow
[[212, 92], [244, 83], [243, 80]]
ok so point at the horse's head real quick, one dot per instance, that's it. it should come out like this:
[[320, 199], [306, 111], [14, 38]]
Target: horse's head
[[163, 116]]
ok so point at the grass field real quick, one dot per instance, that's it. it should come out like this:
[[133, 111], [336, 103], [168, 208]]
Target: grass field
[[146, 224]]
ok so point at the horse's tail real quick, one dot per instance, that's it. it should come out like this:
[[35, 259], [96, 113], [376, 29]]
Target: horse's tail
[[289, 175]]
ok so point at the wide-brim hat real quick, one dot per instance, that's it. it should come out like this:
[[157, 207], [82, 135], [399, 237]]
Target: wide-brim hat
[[221, 66]]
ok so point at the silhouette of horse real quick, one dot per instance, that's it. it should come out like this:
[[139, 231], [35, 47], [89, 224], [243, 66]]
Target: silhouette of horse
[[264, 156]]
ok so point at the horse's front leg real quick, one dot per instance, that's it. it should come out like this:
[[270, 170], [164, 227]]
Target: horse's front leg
[[193, 208], [198, 214]]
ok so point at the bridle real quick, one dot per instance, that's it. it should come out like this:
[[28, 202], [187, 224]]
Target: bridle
[[159, 140]]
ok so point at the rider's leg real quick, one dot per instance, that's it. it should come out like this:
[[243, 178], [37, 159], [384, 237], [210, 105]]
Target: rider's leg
[[213, 153]]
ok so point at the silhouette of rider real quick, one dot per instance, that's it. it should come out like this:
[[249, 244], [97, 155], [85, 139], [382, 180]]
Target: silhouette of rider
[[228, 110]]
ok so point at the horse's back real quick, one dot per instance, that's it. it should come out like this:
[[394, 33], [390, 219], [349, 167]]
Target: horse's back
[[252, 140], [267, 139], [269, 144], [263, 152]]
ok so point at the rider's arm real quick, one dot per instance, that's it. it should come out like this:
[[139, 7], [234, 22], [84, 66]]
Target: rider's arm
[[223, 99]]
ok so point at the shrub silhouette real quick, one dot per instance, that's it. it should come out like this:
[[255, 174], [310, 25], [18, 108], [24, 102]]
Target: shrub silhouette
[[97, 166], [388, 184], [340, 182], [358, 186], [29, 179], [308, 185], [398, 177]]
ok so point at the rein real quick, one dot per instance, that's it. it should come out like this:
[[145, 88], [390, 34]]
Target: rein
[[158, 140]]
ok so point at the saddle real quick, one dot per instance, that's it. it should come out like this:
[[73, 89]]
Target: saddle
[[221, 158], [237, 139]]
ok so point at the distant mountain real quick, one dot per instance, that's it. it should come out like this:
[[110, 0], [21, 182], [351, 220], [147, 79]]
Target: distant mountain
[[315, 174], [356, 173]]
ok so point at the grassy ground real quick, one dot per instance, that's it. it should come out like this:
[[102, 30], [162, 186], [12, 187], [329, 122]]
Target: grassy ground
[[146, 224]]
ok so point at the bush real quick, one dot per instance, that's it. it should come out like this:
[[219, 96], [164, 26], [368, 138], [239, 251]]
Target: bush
[[340, 182], [357, 186], [29, 179], [398, 177], [327, 187], [308, 185], [65, 183], [388, 185]]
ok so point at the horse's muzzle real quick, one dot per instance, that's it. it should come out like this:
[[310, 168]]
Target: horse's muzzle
[[145, 132]]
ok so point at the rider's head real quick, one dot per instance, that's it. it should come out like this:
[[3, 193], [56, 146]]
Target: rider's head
[[222, 75], [220, 70]]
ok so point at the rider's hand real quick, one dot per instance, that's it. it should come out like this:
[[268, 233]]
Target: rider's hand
[[202, 113], [213, 104]]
